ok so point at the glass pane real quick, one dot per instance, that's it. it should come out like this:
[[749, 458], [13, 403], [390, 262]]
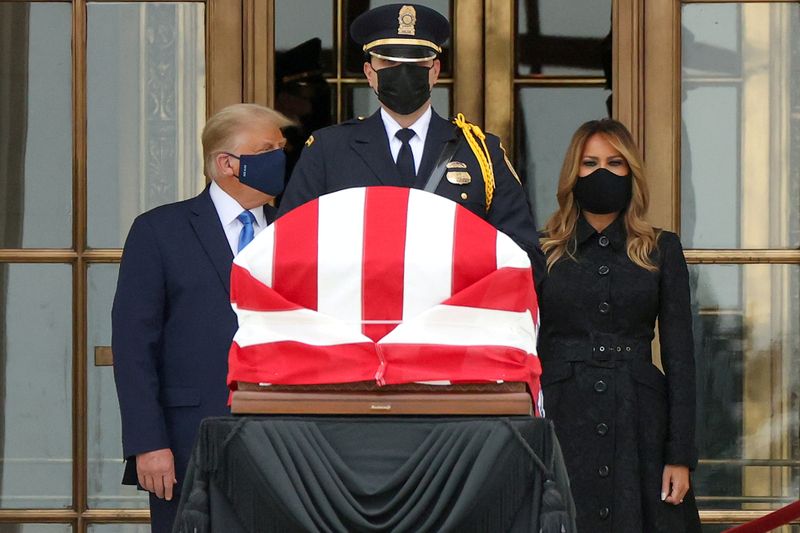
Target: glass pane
[[740, 172], [35, 528], [118, 528], [711, 40], [105, 439], [36, 125], [710, 173], [304, 44], [36, 377], [360, 101], [146, 94], [557, 38], [353, 54], [747, 345], [311, 104], [545, 120]]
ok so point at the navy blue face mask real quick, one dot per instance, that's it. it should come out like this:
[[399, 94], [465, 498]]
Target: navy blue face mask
[[263, 172]]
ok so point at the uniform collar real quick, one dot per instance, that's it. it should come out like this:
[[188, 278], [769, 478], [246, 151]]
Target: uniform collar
[[615, 232], [420, 127]]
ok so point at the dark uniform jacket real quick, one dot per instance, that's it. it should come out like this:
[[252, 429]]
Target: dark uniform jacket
[[618, 418], [356, 154]]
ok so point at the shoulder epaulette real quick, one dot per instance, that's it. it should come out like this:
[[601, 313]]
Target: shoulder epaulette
[[473, 134], [354, 120], [509, 165]]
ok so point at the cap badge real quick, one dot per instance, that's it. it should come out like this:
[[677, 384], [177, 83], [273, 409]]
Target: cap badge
[[407, 19]]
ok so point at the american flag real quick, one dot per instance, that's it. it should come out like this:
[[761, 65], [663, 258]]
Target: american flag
[[388, 284]]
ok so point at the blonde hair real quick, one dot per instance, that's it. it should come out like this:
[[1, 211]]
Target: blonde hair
[[222, 131], [560, 228]]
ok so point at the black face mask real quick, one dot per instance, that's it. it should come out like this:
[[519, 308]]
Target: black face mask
[[403, 88], [603, 192]]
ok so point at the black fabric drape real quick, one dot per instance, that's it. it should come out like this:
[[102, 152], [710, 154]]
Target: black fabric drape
[[287, 474]]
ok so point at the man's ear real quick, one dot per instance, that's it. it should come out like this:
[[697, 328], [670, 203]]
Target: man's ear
[[434, 72], [371, 75], [224, 166]]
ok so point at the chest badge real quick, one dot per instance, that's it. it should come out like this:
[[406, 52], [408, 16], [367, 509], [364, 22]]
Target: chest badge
[[457, 173]]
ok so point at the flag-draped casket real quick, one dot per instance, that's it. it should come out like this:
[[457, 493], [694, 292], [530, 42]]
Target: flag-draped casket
[[387, 284]]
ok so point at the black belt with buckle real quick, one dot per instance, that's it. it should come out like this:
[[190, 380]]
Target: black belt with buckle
[[605, 350]]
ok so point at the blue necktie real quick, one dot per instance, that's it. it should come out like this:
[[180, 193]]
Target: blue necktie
[[247, 233]]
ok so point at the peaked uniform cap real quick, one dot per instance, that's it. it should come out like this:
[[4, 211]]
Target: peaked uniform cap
[[401, 32]]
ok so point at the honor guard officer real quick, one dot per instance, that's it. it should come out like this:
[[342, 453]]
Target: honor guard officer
[[406, 143]]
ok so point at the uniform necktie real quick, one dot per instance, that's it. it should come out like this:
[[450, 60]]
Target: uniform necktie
[[405, 158], [247, 233]]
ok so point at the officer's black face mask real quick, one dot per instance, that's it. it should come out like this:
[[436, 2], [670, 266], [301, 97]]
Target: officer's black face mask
[[403, 88], [603, 192]]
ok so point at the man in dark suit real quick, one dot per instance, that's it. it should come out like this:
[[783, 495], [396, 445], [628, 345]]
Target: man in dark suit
[[172, 321], [406, 143]]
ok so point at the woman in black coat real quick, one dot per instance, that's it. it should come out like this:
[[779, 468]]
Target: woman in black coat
[[626, 428]]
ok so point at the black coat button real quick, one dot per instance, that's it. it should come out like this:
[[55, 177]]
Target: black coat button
[[603, 471], [603, 241], [602, 429], [604, 512], [604, 307], [603, 270], [600, 386]]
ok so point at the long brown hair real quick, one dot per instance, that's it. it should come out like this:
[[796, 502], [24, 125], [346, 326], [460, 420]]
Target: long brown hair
[[560, 228]]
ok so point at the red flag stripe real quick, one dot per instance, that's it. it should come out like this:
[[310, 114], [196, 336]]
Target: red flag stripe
[[507, 289], [249, 293], [295, 363], [408, 363], [474, 249], [295, 270], [384, 251]]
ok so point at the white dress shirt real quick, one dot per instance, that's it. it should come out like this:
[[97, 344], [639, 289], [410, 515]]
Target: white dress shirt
[[228, 210], [417, 142]]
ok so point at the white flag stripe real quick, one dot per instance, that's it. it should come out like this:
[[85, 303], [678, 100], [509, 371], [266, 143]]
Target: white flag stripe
[[540, 404], [257, 257], [428, 274], [299, 325], [341, 245], [509, 254], [467, 326]]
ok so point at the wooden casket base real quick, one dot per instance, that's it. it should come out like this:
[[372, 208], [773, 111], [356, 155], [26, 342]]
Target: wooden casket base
[[366, 398]]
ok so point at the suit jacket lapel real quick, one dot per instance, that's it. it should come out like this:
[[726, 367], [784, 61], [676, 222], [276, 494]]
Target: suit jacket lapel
[[270, 213], [371, 144], [439, 132], [206, 224]]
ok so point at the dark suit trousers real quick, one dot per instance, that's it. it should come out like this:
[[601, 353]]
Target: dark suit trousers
[[162, 513]]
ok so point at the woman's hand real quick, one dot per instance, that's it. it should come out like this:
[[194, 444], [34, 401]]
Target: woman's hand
[[674, 483]]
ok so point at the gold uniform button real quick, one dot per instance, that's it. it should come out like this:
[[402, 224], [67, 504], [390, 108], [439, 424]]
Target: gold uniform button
[[464, 196]]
